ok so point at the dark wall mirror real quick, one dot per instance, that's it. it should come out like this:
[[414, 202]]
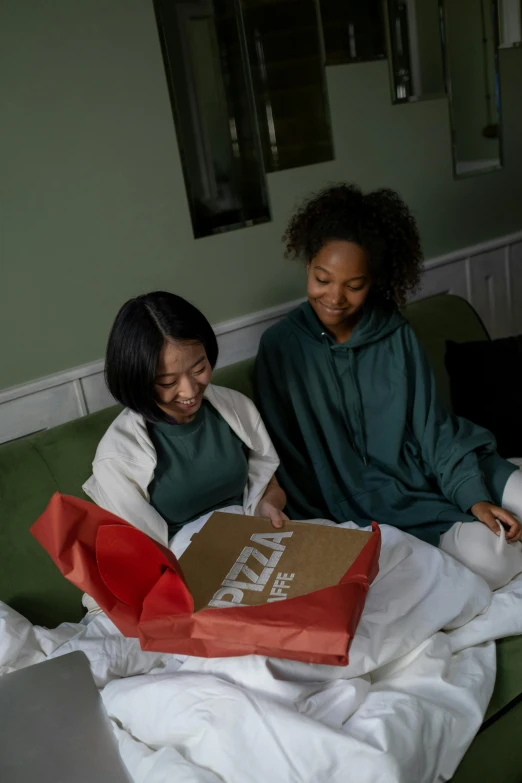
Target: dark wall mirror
[[415, 49], [289, 82], [510, 23], [214, 113], [353, 31], [470, 34]]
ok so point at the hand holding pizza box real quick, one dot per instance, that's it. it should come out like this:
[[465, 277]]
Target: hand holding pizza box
[[241, 587]]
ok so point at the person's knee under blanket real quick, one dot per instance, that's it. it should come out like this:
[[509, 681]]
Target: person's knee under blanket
[[490, 556]]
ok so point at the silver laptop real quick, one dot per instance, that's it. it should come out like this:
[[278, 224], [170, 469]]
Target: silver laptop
[[54, 727]]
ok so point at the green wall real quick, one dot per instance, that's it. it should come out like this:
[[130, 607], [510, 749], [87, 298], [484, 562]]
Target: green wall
[[93, 199]]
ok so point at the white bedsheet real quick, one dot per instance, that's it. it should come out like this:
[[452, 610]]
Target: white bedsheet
[[406, 708]]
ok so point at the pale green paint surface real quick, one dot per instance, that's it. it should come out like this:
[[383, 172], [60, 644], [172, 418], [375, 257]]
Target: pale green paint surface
[[93, 200]]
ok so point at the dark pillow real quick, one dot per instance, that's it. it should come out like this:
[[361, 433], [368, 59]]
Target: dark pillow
[[486, 388]]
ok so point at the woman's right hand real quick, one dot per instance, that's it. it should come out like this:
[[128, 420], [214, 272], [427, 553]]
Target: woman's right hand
[[275, 515], [488, 514]]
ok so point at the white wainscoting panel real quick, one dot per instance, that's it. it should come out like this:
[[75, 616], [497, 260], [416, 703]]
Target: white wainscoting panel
[[488, 275], [39, 411], [490, 291], [450, 278], [95, 392], [514, 261], [239, 339]]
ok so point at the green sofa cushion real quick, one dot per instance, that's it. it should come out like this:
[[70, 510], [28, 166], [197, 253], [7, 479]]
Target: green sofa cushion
[[508, 685], [31, 470], [29, 580], [441, 318], [68, 450], [494, 755], [239, 376]]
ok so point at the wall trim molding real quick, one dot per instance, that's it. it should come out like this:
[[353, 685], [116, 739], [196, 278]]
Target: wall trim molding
[[49, 381], [63, 396], [474, 250]]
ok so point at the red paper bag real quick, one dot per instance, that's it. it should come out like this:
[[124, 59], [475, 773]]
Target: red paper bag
[[140, 585]]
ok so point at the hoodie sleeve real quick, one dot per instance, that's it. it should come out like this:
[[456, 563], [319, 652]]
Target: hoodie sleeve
[[452, 447], [273, 399]]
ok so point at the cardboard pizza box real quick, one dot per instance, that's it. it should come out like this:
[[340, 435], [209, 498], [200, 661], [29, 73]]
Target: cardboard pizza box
[[244, 561]]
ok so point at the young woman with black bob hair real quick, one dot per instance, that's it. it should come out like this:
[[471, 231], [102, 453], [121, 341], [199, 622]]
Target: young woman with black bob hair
[[181, 448]]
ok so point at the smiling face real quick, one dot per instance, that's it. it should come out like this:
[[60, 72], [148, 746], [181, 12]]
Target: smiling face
[[183, 373], [338, 285]]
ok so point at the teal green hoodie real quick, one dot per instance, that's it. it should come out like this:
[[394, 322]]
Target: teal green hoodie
[[360, 432]]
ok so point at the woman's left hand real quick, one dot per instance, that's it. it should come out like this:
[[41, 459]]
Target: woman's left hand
[[269, 511], [488, 514]]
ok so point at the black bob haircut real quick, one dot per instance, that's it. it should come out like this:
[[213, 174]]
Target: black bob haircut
[[135, 344]]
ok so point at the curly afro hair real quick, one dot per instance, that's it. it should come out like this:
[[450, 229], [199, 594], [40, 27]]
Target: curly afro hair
[[379, 222]]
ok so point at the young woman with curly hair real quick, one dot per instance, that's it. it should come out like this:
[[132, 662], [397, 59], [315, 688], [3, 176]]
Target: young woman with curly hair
[[349, 399]]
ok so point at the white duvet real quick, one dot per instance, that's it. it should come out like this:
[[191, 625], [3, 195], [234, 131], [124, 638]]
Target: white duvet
[[405, 709]]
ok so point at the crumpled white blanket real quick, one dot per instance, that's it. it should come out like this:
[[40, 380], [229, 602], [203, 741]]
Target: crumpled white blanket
[[406, 708]]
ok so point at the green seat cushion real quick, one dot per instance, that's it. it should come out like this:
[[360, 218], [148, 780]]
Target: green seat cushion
[[438, 319], [239, 376], [494, 755], [31, 471], [29, 580], [508, 685], [68, 450]]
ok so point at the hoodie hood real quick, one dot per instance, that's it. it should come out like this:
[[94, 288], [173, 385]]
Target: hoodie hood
[[376, 324], [340, 359]]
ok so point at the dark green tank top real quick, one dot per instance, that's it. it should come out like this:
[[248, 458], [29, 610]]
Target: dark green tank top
[[202, 466]]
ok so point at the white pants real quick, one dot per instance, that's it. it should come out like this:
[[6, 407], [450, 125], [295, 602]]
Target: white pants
[[475, 545]]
